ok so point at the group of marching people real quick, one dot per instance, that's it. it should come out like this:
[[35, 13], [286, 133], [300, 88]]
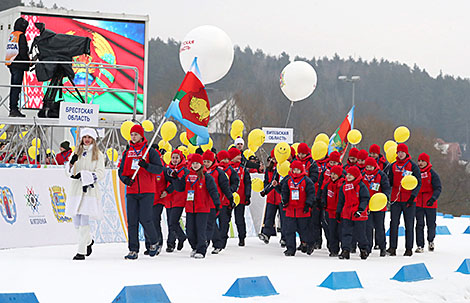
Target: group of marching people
[[315, 197], [326, 195]]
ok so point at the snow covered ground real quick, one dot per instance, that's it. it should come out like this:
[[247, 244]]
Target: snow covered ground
[[54, 277]]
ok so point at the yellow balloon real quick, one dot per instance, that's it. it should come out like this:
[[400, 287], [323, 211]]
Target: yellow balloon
[[183, 139], [168, 131], [319, 150], [165, 145], [282, 152], [257, 185], [389, 144], [248, 153], [253, 148], [283, 168], [377, 202], [3, 136], [23, 134], [184, 150], [147, 125], [354, 136], [256, 137], [2, 126], [230, 146], [409, 182], [401, 134], [295, 146], [73, 148], [48, 151], [208, 145], [238, 126], [391, 154], [236, 198], [235, 134], [112, 154], [322, 137], [191, 148], [167, 157], [36, 142], [126, 130], [33, 152]]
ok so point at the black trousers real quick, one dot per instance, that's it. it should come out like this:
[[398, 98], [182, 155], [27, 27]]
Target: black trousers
[[396, 210], [269, 218], [319, 222], [211, 224], [430, 215], [196, 230], [376, 222], [219, 240], [301, 226], [174, 228], [334, 228], [356, 228], [157, 222], [240, 220], [140, 210], [17, 76]]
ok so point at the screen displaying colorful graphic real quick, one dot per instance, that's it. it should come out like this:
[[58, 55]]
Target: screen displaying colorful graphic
[[112, 42]]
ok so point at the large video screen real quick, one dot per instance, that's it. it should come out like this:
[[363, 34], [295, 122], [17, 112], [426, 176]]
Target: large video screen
[[112, 42]]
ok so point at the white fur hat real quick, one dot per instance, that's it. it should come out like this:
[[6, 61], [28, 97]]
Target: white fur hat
[[239, 140], [88, 132]]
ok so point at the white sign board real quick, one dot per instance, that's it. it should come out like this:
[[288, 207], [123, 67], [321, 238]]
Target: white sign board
[[277, 135], [79, 114]]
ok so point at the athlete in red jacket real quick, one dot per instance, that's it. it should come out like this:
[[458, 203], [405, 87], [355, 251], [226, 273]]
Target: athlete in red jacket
[[426, 202], [201, 193], [140, 191], [402, 200], [298, 193], [352, 203], [374, 152]]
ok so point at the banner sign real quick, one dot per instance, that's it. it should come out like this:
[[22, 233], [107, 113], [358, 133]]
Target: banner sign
[[79, 114], [277, 135]]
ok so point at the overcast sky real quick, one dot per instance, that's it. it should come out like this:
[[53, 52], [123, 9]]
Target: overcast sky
[[433, 34]]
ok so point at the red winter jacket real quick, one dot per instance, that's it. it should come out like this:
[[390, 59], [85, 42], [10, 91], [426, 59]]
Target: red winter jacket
[[272, 196], [234, 181], [176, 198], [330, 196], [145, 178], [203, 192], [430, 188], [222, 183], [376, 181], [244, 189], [63, 157], [353, 196], [305, 188], [398, 170]]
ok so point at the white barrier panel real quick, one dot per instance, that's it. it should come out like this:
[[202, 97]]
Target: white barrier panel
[[32, 206]]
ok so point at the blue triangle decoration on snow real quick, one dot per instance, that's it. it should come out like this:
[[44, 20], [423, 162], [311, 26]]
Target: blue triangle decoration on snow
[[465, 216], [27, 297], [467, 231], [442, 230], [412, 273], [152, 293], [251, 287], [342, 280], [440, 214], [448, 216], [401, 231], [465, 267]]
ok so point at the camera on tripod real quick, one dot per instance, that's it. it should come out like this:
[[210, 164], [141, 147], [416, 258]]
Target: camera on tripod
[[49, 46]]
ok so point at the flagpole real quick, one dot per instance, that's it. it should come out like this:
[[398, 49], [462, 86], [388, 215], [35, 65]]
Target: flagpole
[[150, 145], [288, 114]]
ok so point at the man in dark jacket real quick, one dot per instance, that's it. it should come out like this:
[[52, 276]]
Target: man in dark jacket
[[17, 50]]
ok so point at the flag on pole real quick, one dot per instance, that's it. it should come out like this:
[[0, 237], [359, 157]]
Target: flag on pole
[[191, 107], [339, 139]]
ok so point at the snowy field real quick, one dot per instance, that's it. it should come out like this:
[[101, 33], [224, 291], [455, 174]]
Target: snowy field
[[54, 277]]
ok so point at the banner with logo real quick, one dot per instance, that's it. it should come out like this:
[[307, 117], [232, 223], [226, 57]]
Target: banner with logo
[[32, 209]]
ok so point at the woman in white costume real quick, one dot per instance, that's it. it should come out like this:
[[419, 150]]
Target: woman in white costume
[[85, 168]]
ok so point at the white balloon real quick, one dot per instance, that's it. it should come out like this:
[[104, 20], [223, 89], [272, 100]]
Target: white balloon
[[298, 80], [213, 49]]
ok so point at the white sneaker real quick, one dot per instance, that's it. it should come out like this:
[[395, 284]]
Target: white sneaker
[[198, 256], [419, 250], [193, 253], [431, 246]]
